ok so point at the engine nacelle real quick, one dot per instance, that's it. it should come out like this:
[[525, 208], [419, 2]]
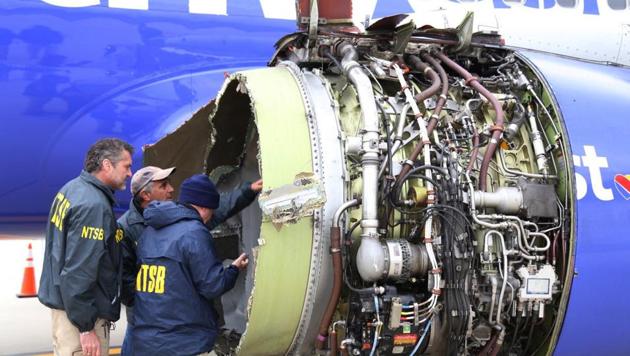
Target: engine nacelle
[[460, 238]]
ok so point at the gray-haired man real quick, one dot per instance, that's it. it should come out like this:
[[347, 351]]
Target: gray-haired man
[[147, 184], [81, 274]]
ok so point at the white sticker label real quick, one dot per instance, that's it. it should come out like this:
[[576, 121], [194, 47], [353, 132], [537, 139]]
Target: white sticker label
[[537, 286]]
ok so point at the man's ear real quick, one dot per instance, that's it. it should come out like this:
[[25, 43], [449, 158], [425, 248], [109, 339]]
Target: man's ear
[[107, 165], [145, 196]]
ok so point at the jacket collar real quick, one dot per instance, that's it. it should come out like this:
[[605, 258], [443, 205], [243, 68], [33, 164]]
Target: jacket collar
[[109, 192], [135, 214], [162, 213]]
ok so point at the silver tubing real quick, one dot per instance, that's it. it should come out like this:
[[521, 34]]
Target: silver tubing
[[342, 208], [370, 139]]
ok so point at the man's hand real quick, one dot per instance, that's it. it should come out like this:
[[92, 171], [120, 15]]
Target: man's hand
[[241, 262], [90, 344], [256, 186]]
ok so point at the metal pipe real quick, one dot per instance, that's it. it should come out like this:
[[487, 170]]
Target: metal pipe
[[502, 225], [475, 139], [508, 200], [494, 283], [344, 346], [538, 234], [370, 259], [400, 127], [533, 93], [505, 170], [333, 337], [370, 139], [505, 272], [345, 206], [518, 117], [537, 144], [370, 245]]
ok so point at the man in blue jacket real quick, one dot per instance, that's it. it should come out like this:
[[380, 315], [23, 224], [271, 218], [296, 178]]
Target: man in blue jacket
[[153, 184], [179, 274], [147, 184]]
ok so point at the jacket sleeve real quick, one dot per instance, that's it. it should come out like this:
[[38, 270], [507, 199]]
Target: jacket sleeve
[[232, 203], [85, 245], [129, 272], [209, 276]]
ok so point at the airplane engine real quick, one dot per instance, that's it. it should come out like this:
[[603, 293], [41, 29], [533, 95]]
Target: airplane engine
[[419, 197]]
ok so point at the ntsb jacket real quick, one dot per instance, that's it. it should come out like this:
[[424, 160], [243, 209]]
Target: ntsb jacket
[[82, 261], [132, 223], [179, 275]]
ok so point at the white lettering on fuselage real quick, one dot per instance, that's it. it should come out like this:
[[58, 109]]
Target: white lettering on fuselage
[[129, 4], [214, 7], [594, 164], [272, 9], [285, 9], [73, 3]]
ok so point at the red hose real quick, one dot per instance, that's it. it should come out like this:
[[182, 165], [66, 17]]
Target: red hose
[[335, 250], [442, 98], [496, 130], [432, 90]]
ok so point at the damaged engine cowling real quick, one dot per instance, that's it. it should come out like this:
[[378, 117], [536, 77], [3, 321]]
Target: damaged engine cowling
[[416, 201]]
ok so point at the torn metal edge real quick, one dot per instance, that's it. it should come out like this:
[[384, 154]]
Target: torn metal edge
[[290, 202]]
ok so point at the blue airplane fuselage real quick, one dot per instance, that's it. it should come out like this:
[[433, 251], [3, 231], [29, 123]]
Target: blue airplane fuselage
[[69, 76]]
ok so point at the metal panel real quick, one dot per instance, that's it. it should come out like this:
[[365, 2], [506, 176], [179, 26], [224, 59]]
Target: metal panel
[[595, 101], [328, 166], [283, 256]]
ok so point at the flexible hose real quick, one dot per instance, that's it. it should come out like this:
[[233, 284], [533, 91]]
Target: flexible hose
[[333, 342], [496, 130], [442, 98], [489, 345], [475, 150], [335, 250], [432, 90], [497, 345], [427, 71]]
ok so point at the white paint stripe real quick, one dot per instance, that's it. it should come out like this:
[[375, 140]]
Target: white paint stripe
[[212, 7]]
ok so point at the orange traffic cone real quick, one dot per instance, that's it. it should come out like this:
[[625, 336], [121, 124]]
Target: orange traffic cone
[[29, 289]]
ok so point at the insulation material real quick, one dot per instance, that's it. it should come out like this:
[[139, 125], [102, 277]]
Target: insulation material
[[186, 148], [241, 231]]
